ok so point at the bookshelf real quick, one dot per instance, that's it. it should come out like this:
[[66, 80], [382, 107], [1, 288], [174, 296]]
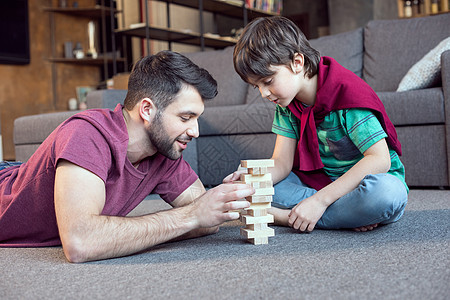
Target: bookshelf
[[69, 26], [239, 9]]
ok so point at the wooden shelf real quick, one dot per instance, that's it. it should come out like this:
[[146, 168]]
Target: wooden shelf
[[177, 36], [71, 24], [84, 61], [89, 12], [227, 8], [230, 8]]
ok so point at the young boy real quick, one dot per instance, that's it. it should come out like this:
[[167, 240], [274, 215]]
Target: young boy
[[336, 154]]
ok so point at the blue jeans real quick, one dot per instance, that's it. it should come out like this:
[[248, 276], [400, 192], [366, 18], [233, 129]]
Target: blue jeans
[[379, 198], [7, 164]]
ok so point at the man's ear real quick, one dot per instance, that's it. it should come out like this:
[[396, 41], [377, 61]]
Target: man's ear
[[297, 63], [147, 109]]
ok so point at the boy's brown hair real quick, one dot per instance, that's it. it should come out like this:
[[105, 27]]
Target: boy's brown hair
[[272, 41]]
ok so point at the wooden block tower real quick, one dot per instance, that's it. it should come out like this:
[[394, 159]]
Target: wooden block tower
[[256, 217]]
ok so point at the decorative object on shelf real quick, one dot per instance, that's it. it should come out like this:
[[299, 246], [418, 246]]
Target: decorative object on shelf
[[82, 106], [408, 9], [434, 6], [421, 8], [91, 52], [81, 95], [236, 33], [68, 50], [78, 51], [416, 7], [73, 104], [62, 3]]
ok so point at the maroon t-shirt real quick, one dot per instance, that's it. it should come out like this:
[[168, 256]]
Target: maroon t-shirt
[[96, 140]]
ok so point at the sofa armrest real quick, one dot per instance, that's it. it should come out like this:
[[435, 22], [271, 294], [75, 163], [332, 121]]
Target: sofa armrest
[[445, 75], [31, 131]]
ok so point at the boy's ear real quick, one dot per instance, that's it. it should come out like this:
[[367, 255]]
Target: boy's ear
[[298, 62], [147, 109]]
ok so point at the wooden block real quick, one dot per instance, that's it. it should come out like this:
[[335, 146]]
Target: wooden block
[[253, 163], [259, 199], [246, 219], [258, 206], [264, 191], [261, 184], [251, 234], [259, 241], [259, 226], [255, 212], [252, 178], [256, 184], [258, 171]]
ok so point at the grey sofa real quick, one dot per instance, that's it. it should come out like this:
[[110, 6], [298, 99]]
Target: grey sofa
[[237, 124]]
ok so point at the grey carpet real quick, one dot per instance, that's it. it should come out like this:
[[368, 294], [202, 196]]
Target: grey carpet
[[406, 260]]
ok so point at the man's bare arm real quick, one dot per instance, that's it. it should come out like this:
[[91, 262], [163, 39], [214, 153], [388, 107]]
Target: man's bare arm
[[86, 235]]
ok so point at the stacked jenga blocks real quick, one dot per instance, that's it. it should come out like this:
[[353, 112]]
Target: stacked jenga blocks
[[256, 217]]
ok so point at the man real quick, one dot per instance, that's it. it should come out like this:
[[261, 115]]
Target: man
[[78, 187]]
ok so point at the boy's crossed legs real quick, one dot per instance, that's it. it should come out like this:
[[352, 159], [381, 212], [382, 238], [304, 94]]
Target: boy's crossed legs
[[378, 199]]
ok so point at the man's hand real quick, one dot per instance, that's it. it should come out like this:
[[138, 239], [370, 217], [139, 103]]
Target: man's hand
[[218, 204], [305, 215]]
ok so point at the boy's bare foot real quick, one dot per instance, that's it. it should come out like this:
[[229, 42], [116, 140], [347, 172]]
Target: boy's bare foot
[[281, 216], [366, 228]]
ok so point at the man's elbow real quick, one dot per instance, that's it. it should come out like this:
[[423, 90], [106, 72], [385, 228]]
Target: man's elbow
[[75, 250]]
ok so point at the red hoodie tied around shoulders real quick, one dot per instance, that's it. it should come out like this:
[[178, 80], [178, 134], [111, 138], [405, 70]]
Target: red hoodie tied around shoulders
[[337, 89]]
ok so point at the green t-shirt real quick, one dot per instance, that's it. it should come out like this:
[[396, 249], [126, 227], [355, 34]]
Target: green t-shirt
[[344, 135]]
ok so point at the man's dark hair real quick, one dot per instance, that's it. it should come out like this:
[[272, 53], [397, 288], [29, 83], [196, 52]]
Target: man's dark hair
[[161, 76], [272, 41]]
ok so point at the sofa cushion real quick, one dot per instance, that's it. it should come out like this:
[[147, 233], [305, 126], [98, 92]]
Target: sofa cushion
[[393, 46], [346, 48], [427, 71], [414, 107], [231, 89], [105, 98], [238, 119], [254, 96], [220, 156]]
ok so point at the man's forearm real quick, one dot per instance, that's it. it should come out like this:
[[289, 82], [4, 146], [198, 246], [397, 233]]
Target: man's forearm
[[103, 237], [196, 233]]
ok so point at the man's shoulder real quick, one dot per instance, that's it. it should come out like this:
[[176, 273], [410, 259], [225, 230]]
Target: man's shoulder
[[108, 123]]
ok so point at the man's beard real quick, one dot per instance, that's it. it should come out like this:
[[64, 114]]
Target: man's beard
[[160, 139]]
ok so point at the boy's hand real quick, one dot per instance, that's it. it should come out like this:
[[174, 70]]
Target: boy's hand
[[305, 215], [235, 176]]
